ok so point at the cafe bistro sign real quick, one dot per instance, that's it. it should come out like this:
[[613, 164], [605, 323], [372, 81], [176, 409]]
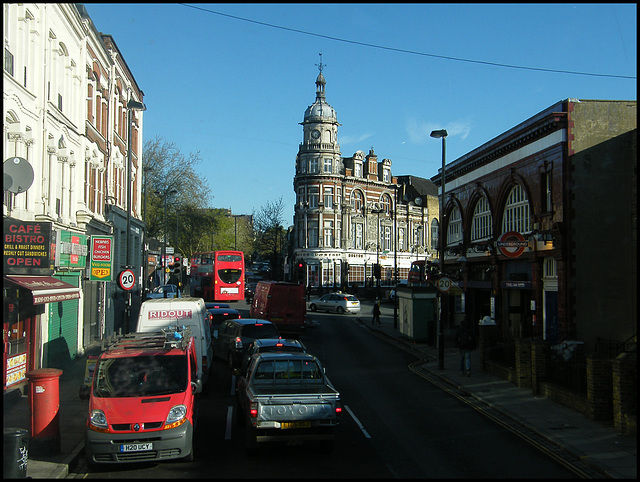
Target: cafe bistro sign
[[27, 247]]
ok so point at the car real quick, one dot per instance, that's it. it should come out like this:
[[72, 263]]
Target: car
[[338, 302], [172, 291], [271, 345], [218, 315], [234, 337]]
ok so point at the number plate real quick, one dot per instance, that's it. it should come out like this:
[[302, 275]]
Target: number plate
[[285, 425], [136, 447]]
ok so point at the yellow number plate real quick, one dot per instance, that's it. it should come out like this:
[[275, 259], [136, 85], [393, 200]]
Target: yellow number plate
[[285, 425]]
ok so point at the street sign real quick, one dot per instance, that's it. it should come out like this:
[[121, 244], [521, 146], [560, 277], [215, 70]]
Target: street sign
[[101, 260], [126, 279], [444, 284], [512, 244]]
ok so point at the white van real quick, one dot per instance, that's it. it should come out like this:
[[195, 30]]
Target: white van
[[161, 313]]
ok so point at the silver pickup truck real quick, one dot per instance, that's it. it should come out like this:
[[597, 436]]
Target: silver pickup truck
[[287, 397]]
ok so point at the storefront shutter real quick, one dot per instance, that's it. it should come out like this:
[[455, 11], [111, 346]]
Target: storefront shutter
[[61, 347]]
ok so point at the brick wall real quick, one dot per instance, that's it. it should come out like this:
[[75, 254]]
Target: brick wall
[[624, 382], [523, 363], [599, 388]]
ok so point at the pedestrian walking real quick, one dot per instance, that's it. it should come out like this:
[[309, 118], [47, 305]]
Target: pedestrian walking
[[376, 313], [466, 343]]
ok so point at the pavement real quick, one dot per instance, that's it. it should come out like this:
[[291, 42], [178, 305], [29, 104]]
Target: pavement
[[595, 444]]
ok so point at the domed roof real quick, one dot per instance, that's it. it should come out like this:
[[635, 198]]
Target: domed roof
[[320, 110]]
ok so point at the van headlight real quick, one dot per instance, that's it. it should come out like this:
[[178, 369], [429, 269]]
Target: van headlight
[[177, 416], [98, 421]]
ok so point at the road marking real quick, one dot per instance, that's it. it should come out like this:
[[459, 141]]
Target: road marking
[[227, 435], [355, 419], [233, 385]]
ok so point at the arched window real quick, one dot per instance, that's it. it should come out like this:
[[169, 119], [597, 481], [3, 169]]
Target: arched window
[[357, 201], [516, 212], [454, 229], [434, 234], [386, 203], [482, 221]]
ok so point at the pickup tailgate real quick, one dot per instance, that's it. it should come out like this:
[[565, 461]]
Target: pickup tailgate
[[297, 406]]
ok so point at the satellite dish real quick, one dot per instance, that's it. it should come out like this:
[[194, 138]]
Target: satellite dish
[[418, 201], [18, 175]]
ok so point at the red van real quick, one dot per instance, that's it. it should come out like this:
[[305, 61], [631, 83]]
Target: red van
[[283, 304], [142, 404]]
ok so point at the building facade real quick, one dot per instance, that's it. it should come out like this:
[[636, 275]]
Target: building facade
[[69, 126], [540, 226], [351, 213]]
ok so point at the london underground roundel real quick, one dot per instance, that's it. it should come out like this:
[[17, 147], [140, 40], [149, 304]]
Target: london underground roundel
[[512, 244]]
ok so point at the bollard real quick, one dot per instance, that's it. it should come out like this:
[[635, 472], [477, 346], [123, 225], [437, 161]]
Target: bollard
[[16, 453], [44, 406]]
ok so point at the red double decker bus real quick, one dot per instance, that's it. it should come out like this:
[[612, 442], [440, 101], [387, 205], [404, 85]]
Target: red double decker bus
[[218, 275]]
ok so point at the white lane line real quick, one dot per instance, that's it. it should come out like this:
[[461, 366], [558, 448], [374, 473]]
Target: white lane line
[[355, 419], [233, 385], [227, 435]]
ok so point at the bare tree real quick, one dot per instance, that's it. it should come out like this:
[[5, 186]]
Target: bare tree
[[270, 237]]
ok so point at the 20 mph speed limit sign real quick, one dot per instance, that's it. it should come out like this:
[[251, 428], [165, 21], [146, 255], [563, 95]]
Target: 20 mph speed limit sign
[[126, 279], [444, 284]]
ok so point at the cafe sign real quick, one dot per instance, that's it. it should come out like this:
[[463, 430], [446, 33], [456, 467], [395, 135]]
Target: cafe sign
[[101, 258], [27, 247]]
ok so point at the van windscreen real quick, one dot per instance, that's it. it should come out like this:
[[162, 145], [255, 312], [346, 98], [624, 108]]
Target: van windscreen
[[140, 376]]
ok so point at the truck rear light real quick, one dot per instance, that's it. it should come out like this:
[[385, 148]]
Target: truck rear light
[[238, 343], [253, 410]]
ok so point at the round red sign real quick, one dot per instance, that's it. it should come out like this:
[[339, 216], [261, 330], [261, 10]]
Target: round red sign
[[126, 279], [512, 244]]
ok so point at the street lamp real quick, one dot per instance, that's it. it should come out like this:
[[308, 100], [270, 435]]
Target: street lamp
[[145, 261], [131, 106], [164, 195], [377, 210], [441, 134]]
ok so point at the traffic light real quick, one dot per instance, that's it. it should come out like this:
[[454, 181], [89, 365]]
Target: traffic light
[[301, 271], [377, 271], [177, 266]]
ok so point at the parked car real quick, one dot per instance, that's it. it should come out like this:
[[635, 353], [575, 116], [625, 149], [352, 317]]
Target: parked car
[[234, 337], [218, 315], [172, 291], [338, 302], [271, 345]]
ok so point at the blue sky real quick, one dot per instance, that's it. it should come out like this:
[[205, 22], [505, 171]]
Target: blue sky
[[234, 84]]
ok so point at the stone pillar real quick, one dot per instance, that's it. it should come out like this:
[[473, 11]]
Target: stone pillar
[[523, 362], [539, 355], [599, 388]]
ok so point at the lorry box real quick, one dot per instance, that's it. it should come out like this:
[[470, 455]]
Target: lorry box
[[283, 304], [161, 313], [142, 399]]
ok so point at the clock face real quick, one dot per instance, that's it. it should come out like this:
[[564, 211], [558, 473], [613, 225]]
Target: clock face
[[315, 133]]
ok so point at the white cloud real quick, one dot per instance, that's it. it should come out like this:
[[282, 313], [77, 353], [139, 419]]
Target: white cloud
[[347, 140]]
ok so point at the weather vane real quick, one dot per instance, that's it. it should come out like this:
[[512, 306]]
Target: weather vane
[[321, 65]]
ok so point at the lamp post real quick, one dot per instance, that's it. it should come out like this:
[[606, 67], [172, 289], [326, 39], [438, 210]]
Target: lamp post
[[164, 196], [377, 210], [441, 134], [145, 261], [131, 106]]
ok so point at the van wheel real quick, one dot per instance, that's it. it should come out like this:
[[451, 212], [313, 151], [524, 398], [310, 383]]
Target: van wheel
[[313, 307], [340, 310]]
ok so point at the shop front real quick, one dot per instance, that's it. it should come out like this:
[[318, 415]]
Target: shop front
[[32, 290]]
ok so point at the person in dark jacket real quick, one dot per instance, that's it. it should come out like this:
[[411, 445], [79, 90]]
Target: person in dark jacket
[[466, 343], [376, 312]]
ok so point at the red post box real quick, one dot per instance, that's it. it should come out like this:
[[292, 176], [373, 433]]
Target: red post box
[[44, 407]]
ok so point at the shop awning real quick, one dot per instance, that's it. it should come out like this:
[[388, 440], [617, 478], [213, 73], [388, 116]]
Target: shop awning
[[46, 289]]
